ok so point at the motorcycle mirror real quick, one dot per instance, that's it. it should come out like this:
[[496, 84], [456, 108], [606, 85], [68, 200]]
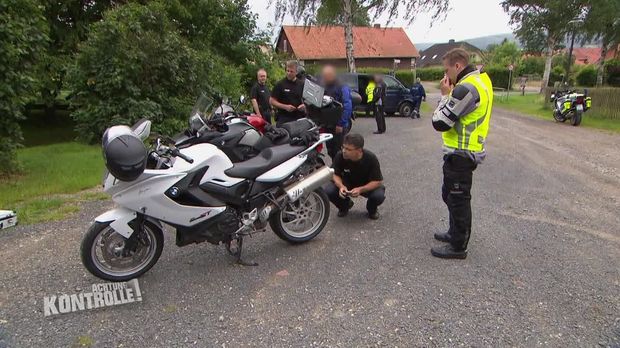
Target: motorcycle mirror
[[242, 99]]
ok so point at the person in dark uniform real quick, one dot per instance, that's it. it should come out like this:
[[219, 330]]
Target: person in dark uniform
[[419, 95], [286, 96], [356, 173], [342, 94], [260, 95], [379, 100]]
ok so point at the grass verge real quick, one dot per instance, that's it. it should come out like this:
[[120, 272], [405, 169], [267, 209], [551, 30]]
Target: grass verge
[[535, 105], [52, 175]]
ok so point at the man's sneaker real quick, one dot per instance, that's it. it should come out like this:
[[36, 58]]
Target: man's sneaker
[[374, 215], [344, 212], [448, 252], [442, 237]]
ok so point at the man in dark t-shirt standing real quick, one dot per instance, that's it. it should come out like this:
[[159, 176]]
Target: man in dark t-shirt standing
[[286, 96], [356, 173], [260, 95]]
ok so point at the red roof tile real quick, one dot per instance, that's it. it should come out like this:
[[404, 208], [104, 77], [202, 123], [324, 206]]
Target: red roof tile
[[589, 55], [327, 42]]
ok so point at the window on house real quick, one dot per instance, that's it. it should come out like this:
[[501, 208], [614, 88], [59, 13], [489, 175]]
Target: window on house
[[285, 45], [422, 57], [435, 56]]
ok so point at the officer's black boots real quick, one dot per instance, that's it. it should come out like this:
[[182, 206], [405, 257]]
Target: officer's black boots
[[442, 237], [448, 252]]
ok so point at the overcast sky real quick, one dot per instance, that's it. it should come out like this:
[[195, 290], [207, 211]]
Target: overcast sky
[[466, 20]]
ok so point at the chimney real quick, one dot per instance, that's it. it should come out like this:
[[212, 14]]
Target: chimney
[[377, 25], [451, 41]]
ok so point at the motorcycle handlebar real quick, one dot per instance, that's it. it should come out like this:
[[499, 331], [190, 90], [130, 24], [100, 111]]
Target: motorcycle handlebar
[[177, 153]]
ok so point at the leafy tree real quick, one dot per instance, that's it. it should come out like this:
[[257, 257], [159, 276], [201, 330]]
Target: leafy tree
[[504, 54], [23, 35], [531, 66], [68, 22], [134, 64], [307, 11], [330, 13], [548, 19], [603, 22]]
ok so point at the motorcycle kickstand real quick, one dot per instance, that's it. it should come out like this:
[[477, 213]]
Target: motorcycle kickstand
[[237, 253]]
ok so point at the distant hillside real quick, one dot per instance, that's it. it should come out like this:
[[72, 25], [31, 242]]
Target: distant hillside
[[480, 42], [484, 42]]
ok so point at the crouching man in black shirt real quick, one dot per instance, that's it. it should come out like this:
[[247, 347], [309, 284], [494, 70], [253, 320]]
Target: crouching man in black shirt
[[356, 172]]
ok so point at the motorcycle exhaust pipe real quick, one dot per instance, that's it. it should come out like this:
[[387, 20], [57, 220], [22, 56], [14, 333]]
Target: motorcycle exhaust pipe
[[309, 184]]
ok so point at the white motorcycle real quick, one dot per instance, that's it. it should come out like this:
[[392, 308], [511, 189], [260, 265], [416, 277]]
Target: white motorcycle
[[199, 192]]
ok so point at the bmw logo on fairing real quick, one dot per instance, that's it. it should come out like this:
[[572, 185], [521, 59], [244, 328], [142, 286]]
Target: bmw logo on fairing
[[174, 191]]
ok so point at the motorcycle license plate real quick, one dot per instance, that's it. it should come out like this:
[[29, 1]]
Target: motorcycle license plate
[[579, 107]]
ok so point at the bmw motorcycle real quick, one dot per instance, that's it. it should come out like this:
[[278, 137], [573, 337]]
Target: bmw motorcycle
[[570, 105], [196, 189]]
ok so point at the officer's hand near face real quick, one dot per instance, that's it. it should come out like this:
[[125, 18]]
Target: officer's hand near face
[[445, 86]]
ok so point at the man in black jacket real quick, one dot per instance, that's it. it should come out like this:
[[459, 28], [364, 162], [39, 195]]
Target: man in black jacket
[[286, 96], [260, 95], [379, 99]]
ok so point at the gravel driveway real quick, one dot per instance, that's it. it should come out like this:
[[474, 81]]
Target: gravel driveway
[[543, 267]]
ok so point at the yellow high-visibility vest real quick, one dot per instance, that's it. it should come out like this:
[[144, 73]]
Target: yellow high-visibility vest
[[470, 131], [370, 89]]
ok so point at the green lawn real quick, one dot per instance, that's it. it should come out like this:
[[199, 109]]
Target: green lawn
[[50, 173], [534, 105]]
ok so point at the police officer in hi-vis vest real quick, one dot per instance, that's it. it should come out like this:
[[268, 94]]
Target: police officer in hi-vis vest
[[462, 116]]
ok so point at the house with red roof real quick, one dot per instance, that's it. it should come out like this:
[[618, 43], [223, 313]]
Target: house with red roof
[[591, 55], [372, 46]]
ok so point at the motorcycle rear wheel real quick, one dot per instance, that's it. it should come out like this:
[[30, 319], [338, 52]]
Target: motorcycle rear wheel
[[104, 256], [301, 221], [576, 119]]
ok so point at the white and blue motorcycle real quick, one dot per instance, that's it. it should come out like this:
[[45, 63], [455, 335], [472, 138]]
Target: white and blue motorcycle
[[198, 191]]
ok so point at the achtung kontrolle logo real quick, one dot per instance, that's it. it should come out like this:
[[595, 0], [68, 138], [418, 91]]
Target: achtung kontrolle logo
[[101, 295]]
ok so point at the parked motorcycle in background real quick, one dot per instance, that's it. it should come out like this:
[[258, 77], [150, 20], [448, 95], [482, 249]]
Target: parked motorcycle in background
[[570, 105]]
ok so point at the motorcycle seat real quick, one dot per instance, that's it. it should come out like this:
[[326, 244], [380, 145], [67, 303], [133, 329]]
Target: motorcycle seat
[[267, 159]]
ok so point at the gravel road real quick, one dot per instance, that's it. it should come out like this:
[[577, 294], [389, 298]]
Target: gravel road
[[543, 266]]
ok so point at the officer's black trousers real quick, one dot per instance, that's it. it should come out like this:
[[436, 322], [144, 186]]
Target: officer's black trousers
[[457, 180], [380, 118]]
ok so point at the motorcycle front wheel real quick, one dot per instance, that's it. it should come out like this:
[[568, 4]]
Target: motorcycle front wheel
[[108, 255], [300, 221]]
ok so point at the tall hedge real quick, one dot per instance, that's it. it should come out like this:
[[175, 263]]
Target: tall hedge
[[430, 73], [23, 35], [499, 76], [612, 71], [587, 76]]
